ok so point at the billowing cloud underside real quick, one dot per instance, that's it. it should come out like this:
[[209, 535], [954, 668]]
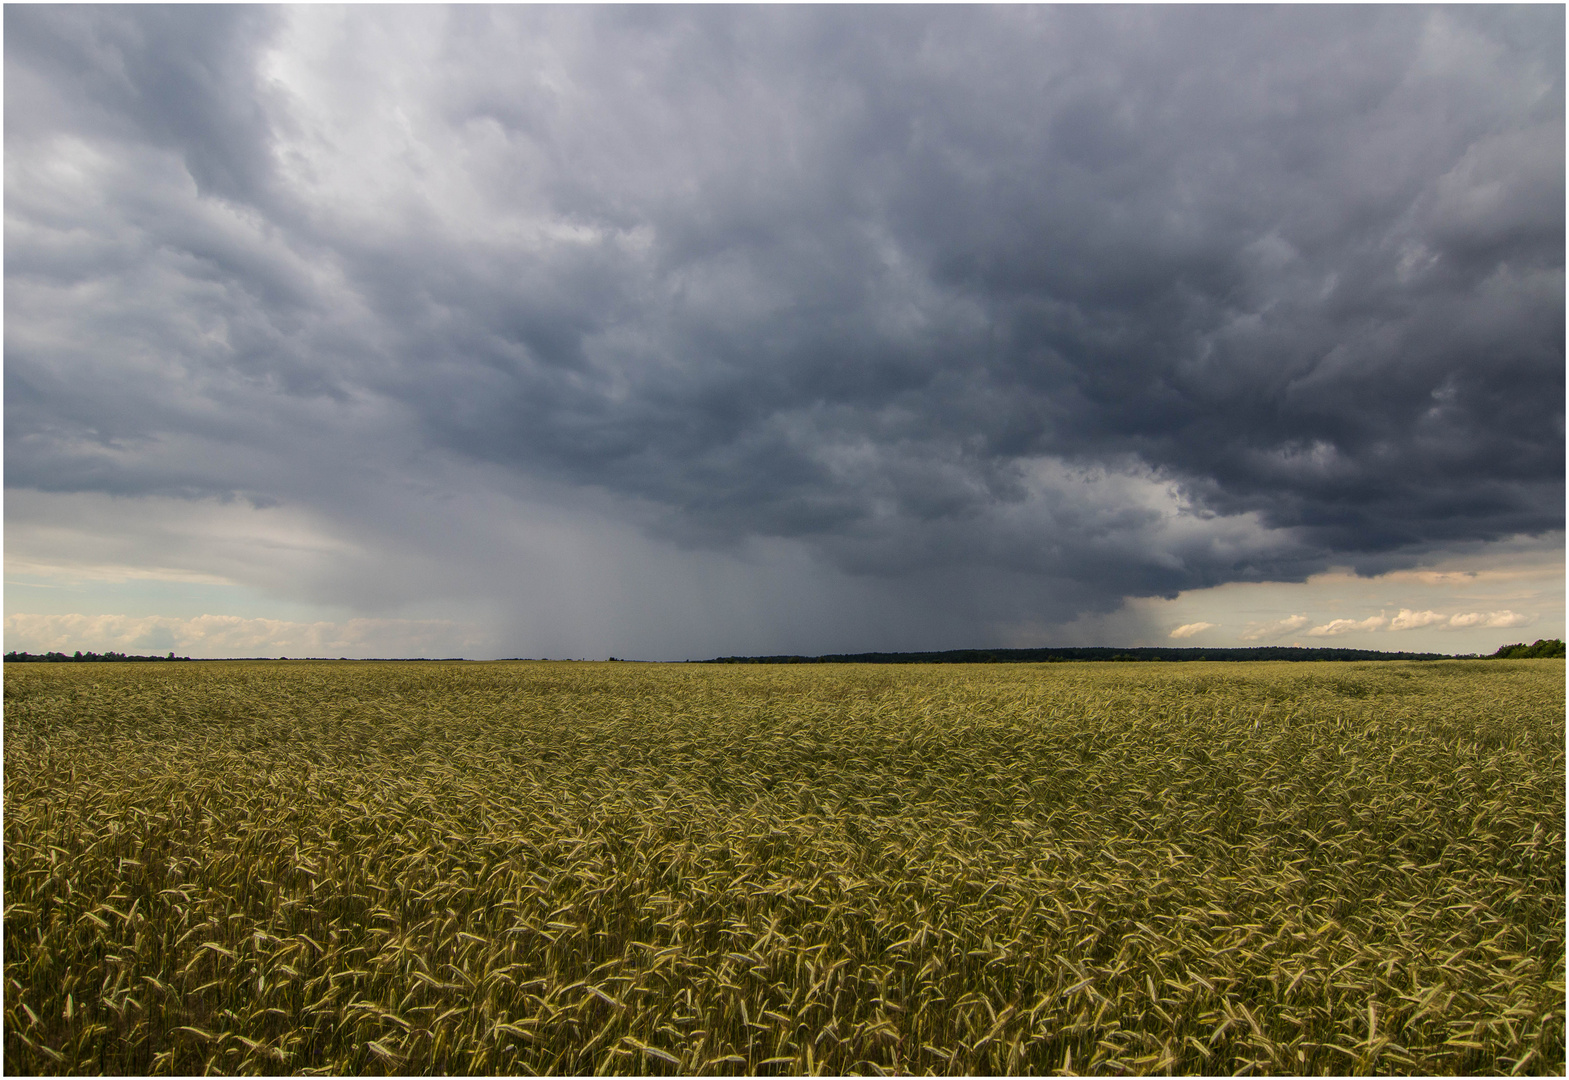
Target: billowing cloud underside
[[1135, 299]]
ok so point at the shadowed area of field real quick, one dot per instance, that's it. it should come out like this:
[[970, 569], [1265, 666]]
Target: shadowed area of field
[[533, 867]]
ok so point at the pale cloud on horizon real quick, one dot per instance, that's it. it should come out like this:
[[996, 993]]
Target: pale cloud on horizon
[[216, 636], [1520, 582], [1347, 626], [1413, 620], [1490, 618], [1189, 629], [1281, 627]]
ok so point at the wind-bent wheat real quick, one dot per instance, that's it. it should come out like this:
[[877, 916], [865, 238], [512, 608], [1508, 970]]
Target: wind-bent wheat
[[496, 868]]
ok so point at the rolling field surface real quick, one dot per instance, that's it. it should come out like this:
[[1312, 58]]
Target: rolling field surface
[[569, 868]]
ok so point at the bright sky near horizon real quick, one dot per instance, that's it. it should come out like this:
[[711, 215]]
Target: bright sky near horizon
[[670, 333]]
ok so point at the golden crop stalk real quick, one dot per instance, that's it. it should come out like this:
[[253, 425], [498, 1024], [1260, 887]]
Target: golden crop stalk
[[529, 867]]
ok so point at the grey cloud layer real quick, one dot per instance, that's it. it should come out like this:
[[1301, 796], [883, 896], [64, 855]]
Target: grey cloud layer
[[1124, 300]]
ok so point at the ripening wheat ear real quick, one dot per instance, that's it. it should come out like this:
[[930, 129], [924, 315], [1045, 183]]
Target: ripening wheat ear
[[508, 868]]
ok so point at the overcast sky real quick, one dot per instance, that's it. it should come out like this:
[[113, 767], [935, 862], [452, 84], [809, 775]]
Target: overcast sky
[[680, 332]]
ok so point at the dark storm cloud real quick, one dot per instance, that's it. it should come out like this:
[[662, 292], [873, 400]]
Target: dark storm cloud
[[1126, 300], [179, 78]]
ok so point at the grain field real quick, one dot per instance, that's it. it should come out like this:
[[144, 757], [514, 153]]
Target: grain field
[[571, 868]]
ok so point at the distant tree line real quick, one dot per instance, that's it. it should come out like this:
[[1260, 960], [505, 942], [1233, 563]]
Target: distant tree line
[[1541, 649], [1026, 656], [83, 658]]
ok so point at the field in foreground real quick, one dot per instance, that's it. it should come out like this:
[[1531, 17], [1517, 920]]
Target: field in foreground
[[481, 868]]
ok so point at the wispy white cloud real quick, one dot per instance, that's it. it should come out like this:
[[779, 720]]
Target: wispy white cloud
[[1189, 629], [1257, 631], [1347, 626], [1490, 619], [1415, 620]]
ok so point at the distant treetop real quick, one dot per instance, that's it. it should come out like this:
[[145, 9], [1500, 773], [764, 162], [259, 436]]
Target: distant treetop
[[1541, 649], [82, 658]]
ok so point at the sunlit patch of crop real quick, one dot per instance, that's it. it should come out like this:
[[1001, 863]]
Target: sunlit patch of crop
[[510, 868]]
